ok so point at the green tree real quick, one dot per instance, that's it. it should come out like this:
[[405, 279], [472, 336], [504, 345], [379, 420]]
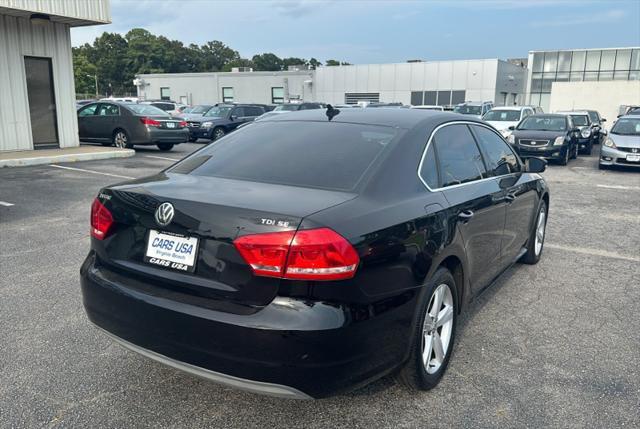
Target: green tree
[[215, 55], [336, 63], [314, 63], [267, 62], [293, 61], [83, 73]]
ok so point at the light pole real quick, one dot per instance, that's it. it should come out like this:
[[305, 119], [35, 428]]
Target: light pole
[[95, 76]]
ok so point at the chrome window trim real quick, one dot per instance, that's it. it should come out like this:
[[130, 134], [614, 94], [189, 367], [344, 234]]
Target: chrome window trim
[[486, 179]]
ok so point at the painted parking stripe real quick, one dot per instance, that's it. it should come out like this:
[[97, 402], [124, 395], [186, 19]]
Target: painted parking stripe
[[91, 171], [6, 204], [624, 188], [162, 157], [593, 252]]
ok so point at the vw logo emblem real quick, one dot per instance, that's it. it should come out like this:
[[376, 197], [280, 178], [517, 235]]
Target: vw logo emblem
[[164, 214], [634, 150]]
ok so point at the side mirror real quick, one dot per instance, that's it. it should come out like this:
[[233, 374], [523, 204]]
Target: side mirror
[[576, 130], [603, 120], [512, 127], [232, 117], [535, 165]]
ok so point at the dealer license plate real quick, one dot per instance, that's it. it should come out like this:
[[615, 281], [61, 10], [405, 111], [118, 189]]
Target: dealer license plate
[[633, 158], [171, 251]]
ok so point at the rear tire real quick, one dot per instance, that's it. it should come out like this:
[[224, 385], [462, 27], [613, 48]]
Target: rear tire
[[535, 244], [121, 139], [193, 139], [165, 146], [434, 336]]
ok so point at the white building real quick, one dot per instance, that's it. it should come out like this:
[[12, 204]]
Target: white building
[[37, 92], [597, 79], [431, 82]]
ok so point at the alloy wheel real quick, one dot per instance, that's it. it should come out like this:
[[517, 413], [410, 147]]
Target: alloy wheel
[[540, 229], [437, 328], [218, 133], [121, 140]]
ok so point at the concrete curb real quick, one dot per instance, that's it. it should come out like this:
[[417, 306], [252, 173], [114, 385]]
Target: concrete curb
[[28, 161]]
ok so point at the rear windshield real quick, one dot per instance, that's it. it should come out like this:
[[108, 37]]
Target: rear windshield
[[146, 109], [468, 110], [287, 107], [544, 123], [580, 120], [325, 155], [200, 108]]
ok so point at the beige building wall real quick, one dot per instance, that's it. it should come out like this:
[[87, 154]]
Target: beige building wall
[[604, 96]]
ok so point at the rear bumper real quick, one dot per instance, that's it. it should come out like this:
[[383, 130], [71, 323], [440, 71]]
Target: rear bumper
[[292, 348], [154, 136]]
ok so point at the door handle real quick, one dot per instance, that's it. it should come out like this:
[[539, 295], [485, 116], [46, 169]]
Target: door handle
[[509, 198], [465, 216]]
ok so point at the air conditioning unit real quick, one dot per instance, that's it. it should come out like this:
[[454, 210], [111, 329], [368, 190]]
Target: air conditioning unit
[[241, 69]]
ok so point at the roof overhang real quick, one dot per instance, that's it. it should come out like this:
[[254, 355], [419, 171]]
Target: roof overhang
[[68, 20]]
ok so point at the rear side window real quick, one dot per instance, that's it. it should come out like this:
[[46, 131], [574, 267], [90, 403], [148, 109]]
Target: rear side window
[[499, 157], [429, 169], [163, 106], [327, 155], [458, 156]]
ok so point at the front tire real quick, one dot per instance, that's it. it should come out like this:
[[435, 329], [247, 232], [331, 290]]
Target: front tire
[[165, 146], [434, 336], [576, 149], [535, 243], [218, 132], [565, 157]]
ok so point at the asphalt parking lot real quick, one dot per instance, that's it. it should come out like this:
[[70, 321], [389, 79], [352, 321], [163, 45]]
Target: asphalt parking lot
[[556, 344]]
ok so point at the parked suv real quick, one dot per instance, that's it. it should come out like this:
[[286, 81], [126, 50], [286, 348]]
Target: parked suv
[[221, 120], [547, 136], [582, 120], [477, 109]]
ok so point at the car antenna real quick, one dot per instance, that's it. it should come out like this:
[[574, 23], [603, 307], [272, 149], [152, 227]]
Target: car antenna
[[331, 111]]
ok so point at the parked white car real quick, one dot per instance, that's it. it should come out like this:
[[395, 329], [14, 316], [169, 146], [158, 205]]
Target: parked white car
[[501, 118], [474, 108]]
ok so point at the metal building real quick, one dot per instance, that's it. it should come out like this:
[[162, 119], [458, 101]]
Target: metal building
[[432, 82], [37, 92], [584, 78]]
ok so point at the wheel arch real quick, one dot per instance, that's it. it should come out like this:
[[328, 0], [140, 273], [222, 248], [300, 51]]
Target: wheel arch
[[455, 266]]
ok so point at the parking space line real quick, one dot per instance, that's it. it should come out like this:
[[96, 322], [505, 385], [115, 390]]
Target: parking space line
[[593, 252], [162, 157], [6, 204], [90, 171], [624, 188]]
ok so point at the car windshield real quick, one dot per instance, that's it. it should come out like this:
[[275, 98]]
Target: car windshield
[[627, 127], [502, 115], [200, 109], [287, 107], [218, 111], [468, 110], [544, 123], [146, 109], [297, 154], [580, 120]]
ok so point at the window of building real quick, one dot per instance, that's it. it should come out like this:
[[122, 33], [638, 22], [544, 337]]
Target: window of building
[[607, 60], [593, 61], [227, 94], [564, 61], [416, 98], [444, 98], [577, 61], [459, 158], [550, 62], [165, 93], [538, 61], [430, 98], [277, 95], [458, 97]]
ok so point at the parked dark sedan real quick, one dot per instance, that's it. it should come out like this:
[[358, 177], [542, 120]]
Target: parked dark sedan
[[125, 125], [311, 253], [551, 136], [221, 120]]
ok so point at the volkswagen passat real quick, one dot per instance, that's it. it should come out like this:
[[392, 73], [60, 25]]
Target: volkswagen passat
[[308, 254]]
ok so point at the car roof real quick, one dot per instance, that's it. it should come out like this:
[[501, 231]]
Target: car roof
[[553, 115], [383, 116], [573, 112], [510, 107], [474, 103]]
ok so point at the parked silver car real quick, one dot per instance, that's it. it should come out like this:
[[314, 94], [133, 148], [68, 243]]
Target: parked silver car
[[622, 146]]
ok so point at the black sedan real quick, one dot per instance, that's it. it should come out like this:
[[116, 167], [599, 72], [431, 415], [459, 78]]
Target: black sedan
[[550, 136], [308, 254], [125, 125]]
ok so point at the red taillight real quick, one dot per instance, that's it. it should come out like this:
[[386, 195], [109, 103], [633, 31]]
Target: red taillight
[[101, 220], [182, 124], [150, 122], [313, 254]]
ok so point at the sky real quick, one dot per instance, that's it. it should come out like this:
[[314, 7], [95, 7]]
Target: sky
[[381, 31]]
